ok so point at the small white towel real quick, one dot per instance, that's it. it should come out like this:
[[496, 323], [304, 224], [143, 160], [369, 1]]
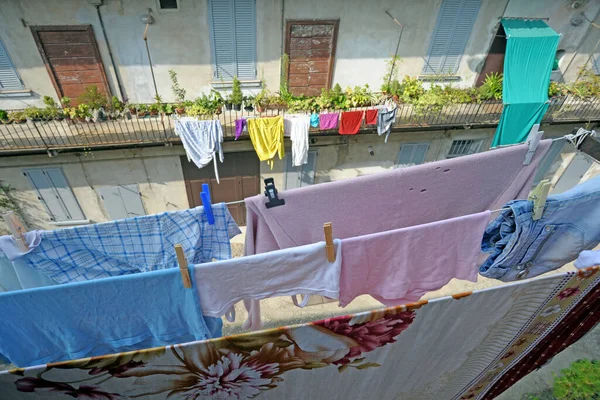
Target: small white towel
[[202, 140]]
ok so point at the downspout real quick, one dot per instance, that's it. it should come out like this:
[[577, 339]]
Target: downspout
[[112, 60]]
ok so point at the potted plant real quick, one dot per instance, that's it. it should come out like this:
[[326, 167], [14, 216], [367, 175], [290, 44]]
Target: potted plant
[[65, 101], [249, 103], [154, 109], [132, 108], [33, 113], [229, 102], [81, 113], [4, 117], [117, 107], [167, 108], [236, 94], [217, 101], [180, 108], [261, 99], [17, 117], [142, 110]]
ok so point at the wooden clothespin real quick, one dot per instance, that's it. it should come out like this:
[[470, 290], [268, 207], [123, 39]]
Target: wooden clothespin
[[17, 229], [329, 248], [538, 196], [183, 267], [533, 140], [205, 198]]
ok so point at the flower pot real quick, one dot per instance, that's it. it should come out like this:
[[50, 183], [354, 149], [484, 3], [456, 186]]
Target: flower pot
[[237, 107], [153, 113], [141, 114], [219, 111], [395, 97], [228, 106], [20, 121], [180, 111], [7, 121], [132, 111], [249, 108], [259, 109], [59, 118], [81, 120]]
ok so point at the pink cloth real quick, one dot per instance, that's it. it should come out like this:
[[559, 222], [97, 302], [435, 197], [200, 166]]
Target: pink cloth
[[328, 121], [399, 266], [391, 200]]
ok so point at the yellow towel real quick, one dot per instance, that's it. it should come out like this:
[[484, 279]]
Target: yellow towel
[[267, 137]]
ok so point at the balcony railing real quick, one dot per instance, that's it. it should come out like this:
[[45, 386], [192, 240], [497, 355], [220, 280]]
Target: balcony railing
[[131, 130]]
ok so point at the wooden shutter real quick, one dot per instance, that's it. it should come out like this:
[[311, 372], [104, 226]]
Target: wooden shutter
[[453, 29], [234, 39], [245, 28], [9, 79], [411, 154], [54, 191]]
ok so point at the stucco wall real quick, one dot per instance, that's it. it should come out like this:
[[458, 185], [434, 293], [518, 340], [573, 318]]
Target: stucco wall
[[156, 171], [178, 39]]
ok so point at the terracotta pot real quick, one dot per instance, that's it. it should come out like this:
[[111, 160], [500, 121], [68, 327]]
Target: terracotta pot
[[132, 111], [7, 121], [153, 113], [20, 121], [395, 97], [141, 114], [81, 120], [180, 111], [259, 109]]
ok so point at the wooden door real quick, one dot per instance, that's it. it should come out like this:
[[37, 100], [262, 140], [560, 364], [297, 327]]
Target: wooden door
[[239, 176], [72, 59], [310, 46]]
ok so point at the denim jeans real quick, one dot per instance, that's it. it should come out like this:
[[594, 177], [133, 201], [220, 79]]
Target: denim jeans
[[523, 248]]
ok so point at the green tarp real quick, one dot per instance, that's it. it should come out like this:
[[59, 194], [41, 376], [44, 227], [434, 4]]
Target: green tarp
[[530, 52]]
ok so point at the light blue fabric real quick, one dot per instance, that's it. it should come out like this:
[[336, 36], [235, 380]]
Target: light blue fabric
[[523, 248], [202, 140], [8, 277], [530, 52], [132, 245], [99, 317], [314, 120]]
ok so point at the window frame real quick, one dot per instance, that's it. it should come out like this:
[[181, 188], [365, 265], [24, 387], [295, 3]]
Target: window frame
[[397, 162], [222, 83], [12, 65], [160, 9], [478, 142]]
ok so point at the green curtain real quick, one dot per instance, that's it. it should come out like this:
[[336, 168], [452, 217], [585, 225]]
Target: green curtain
[[530, 53]]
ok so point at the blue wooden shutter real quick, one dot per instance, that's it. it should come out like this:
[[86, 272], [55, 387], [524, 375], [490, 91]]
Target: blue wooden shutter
[[54, 191], [9, 79], [245, 42], [453, 29], [222, 21]]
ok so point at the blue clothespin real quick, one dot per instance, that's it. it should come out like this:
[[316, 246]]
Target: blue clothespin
[[205, 197]]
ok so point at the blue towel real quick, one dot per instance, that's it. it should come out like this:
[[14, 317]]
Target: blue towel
[[130, 245], [103, 316]]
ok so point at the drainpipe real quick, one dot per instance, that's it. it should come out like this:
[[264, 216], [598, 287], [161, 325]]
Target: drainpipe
[[112, 60]]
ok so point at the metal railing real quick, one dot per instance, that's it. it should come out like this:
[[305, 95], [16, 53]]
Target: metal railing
[[132, 130]]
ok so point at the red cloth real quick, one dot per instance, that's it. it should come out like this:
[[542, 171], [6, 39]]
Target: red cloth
[[350, 122], [371, 117]]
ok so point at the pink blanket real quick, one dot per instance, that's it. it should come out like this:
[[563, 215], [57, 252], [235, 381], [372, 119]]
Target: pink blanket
[[398, 267], [391, 200]]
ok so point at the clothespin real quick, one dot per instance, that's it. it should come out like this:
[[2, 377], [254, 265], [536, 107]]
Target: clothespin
[[329, 248], [538, 196], [533, 139], [183, 267], [205, 198], [17, 229], [271, 193]]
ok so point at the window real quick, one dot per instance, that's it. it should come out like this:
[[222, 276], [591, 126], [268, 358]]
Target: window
[[9, 79], [233, 27], [452, 31], [464, 148], [168, 4], [303, 175], [123, 201], [411, 154], [55, 193]]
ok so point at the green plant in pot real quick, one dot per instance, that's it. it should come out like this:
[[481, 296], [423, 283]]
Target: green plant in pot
[[4, 117], [492, 87], [178, 93], [261, 99], [216, 101], [34, 113], [81, 113], [18, 117], [154, 109], [249, 103], [236, 94], [142, 110], [167, 108], [52, 111], [93, 98]]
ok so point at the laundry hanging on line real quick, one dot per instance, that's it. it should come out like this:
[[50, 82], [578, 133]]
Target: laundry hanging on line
[[385, 120], [361, 355], [104, 316], [328, 121], [350, 122], [523, 248], [266, 135], [202, 141], [299, 126], [128, 246]]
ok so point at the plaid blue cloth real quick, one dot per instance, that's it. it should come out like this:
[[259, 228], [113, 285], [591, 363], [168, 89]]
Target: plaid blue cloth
[[133, 245]]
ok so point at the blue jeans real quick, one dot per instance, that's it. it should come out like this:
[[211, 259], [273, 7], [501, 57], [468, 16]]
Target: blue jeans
[[523, 248]]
